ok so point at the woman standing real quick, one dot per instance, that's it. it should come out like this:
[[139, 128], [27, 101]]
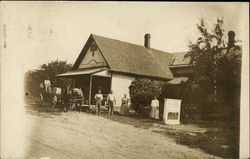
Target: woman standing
[[124, 107], [154, 114]]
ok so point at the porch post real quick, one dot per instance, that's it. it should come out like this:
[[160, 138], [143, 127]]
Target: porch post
[[90, 87], [111, 82], [73, 82]]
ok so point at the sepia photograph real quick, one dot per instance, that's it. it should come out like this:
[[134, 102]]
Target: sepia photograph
[[124, 80]]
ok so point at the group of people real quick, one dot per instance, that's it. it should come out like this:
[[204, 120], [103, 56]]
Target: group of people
[[124, 109], [111, 101], [66, 95]]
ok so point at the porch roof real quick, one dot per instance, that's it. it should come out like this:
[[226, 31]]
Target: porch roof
[[178, 80], [81, 72]]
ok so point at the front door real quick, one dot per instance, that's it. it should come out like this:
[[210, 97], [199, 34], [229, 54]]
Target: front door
[[102, 83]]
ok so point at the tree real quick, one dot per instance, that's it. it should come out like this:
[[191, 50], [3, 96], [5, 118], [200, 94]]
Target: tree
[[142, 91], [217, 75], [216, 72], [33, 78]]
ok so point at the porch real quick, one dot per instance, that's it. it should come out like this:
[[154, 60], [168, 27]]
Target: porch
[[90, 81]]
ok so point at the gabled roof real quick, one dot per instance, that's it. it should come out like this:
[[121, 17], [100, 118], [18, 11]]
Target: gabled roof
[[81, 72], [131, 58], [179, 59]]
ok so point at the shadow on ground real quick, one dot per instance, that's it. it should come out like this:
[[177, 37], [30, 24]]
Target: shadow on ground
[[211, 138]]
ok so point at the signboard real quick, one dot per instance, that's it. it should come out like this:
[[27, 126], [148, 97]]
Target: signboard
[[172, 109]]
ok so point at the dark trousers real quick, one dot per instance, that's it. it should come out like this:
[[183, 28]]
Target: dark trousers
[[98, 108], [78, 105], [111, 107]]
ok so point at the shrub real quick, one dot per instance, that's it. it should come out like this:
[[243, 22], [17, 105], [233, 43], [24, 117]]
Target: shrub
[[188, 93], [142, 91]]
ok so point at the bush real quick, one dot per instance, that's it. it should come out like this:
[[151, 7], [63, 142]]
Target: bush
[[217, 74], [188, 93], [195, 105], [142, 91], [199, 104]]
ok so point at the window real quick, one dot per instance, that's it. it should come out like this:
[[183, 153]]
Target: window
[[93, 47]]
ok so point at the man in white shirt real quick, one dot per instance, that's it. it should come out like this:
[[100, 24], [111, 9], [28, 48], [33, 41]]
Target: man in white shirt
[[111, 101], [154, 114], [47, 85], [98, 98]]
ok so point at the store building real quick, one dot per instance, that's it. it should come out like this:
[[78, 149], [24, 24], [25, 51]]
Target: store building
[[109, 64]]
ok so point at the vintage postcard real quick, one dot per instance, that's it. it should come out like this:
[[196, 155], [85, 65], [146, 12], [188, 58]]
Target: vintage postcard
[[124, 80]]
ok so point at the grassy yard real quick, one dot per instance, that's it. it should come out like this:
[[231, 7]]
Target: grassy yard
[[210, 137]]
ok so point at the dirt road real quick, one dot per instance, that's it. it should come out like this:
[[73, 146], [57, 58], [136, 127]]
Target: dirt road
[[74, 135]]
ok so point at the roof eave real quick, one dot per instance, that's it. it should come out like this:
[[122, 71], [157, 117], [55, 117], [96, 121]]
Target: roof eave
[[142, 75], [95, 70], [84, 51], [96, 41], [183, 65]]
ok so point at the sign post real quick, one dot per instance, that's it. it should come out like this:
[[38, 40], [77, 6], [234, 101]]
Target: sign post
[[172, 110]]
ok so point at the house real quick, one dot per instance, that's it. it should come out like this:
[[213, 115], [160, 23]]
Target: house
[[109, 64]]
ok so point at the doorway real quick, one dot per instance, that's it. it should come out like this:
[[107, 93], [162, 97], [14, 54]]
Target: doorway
[[102, 83]]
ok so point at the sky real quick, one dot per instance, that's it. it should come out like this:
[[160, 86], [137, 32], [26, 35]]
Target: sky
[[38, 32]]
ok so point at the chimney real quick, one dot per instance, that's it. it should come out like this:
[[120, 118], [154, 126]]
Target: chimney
[[147, 41], [231, 41]]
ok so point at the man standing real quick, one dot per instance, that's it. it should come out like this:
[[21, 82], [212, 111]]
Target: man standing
[[111, 101], [47, 85], [78, 98], [98, 99], [154, 109]]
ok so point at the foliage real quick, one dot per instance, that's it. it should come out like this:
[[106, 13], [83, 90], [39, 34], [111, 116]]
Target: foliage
[[213, 91], [187, 93], [33, 78], [217, 73], [142, 91], [194, 100], [214, 141]]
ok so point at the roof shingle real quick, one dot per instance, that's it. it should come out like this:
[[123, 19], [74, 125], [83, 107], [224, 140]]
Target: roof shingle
[[131, 58], [179, 59]]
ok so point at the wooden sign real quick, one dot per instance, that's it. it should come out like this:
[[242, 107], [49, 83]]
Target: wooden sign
[[172, 109]]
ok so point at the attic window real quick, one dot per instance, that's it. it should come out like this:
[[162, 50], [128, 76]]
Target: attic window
[[93, 47]]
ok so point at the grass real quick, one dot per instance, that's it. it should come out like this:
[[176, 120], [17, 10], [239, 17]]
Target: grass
[[218, 141]]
